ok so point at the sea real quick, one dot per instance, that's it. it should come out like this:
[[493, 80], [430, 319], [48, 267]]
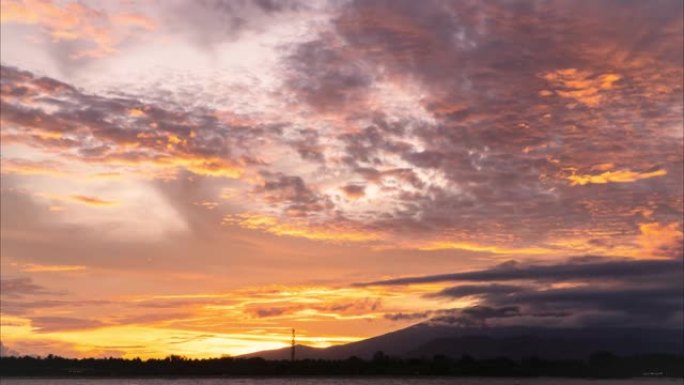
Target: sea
[[338, 381]]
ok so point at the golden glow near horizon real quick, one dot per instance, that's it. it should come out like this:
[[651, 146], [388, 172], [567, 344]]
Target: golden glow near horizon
[[177, 182], [212, 324]]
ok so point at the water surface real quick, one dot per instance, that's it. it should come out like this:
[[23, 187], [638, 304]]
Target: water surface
[[337, 381]]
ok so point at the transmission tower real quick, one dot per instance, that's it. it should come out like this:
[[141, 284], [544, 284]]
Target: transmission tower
[[292, 349]]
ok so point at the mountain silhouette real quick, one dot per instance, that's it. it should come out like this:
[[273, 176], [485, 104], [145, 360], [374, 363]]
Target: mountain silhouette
[[426, 340]]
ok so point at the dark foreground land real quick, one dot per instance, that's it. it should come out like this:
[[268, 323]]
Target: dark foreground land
[[602, 365]]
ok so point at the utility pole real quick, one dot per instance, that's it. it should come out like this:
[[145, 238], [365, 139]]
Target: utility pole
[[292, 350]]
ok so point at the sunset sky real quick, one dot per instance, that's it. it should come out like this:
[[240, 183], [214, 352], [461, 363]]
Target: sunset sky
[[199, 177]]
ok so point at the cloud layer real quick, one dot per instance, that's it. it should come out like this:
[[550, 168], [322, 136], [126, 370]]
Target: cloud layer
[[208, 148], [587, 291]]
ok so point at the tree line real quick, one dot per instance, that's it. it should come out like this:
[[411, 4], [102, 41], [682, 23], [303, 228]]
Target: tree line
[[600, 365]]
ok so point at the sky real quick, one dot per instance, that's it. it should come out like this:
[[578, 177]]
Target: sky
[[199, 177]]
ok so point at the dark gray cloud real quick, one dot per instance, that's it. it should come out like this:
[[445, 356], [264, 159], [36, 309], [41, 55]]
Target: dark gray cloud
[[270, 312], [35, 307], [574, 270], [662, 300], [584, 291], [325, 76], [470, 290], [361, 306], [475, 316], [21, 286], [308, 146], [657, 305], [291, 192], [659, 302], [55, 324], [211, 22], [415, 316], [354, 190]]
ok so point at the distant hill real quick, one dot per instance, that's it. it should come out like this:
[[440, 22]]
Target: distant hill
[[303, 352], [426, 340]]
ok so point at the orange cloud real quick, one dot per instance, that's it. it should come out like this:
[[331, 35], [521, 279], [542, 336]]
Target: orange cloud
[[209, 205], [664, 240], [620, 176], [38, 268], [272, 225], [211, 166], [92, 201], [447, 245], [135, 19], [136, 112], [215, 167], [29, 167], [82, 199], [75, 21], [581, 86]]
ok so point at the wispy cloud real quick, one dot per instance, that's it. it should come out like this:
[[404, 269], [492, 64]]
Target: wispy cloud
[[80, 199], [39, 268]]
